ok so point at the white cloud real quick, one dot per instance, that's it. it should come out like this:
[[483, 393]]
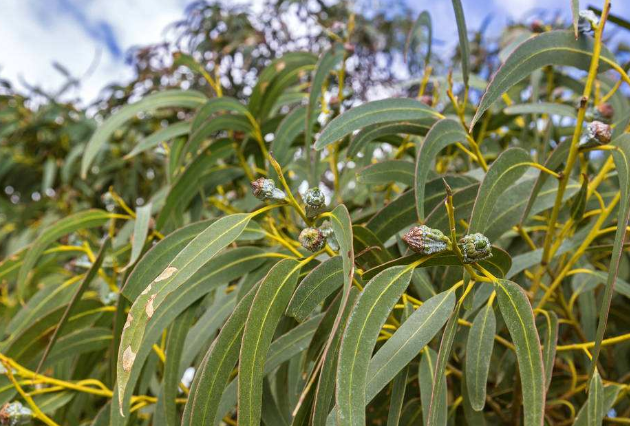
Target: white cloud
[[34, 34]]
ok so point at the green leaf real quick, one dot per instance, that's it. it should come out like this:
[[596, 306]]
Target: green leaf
[[326, 382], [556, 158], [320, 283], [368, 316], [499, 264], [592, 414], [91, 274], [386, 172], [426, 377], [550, 343], [399, 384], [276, 78], [195, 255], [140, 232], [281, 350], [371, 249], [478, 355], [223, 104], [575, 14], [505, 170], [437, 407], [542, 108], [91, 339], [326, 64], [270, 302], [225, 122], [166, 409], [443, 133], [204, 168], [380, 130], [82, 220], [204, 330], [423, 20], [622, 164], [167, 133], [550, 48], [376, 112], [289, 128], [159, 256], [166, 99], [464, 49], [408, 340], [519, 318], [215, 368]]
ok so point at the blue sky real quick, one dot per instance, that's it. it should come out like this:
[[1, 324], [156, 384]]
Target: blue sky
[[78, 33]]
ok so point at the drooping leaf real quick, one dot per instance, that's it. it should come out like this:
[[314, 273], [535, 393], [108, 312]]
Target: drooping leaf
[[622, 164], [386, 172], [140, 232], [423, 20], [167, 99], [478, 355], [320, 283], [379, 131], [376, 112], [408, 340], [444, 133], [506, 169], [167, 133], [519, 318], [542, 108], [464, 49], [272, 298], [550, 343], [549, 48], [82, 220], [368, 316], [89, 277], [195, 255], [437, 407], [426, 377]]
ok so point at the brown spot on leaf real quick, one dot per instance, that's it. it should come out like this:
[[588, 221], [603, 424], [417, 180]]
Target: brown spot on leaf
[[128, 358], [149, 307], [128, 322], [166, 274]]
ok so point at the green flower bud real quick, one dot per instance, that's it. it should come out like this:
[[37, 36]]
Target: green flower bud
[[475, 247], [315, 201], [604, 112], [328, 233], [312, 239], [425, 240], [587, 22], [265, 189], [15, 414]]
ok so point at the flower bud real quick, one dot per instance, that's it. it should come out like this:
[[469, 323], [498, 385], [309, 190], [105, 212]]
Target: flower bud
[[597, 133], [328, 233], [537, 26], [265, 189], [427, 100], [312, 239], [604, 112], [587, 22], [475, 247], [15, 414], [315, 201], [425, 240]]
